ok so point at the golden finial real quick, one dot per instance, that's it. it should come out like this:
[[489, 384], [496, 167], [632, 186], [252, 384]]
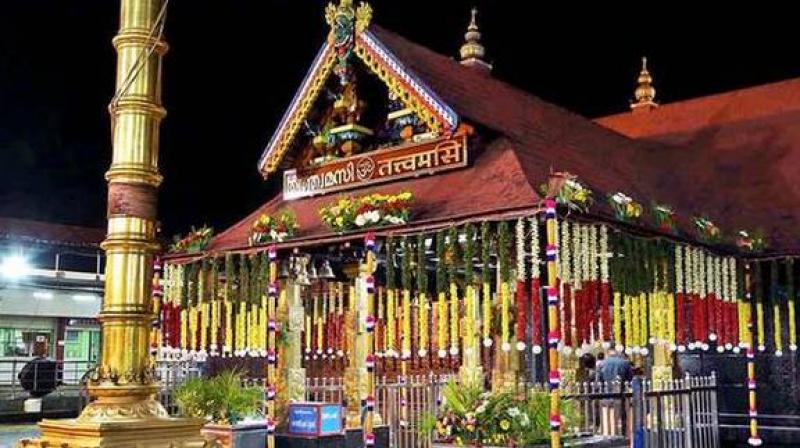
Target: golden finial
[[347, 17], [645, 93], [472, 52]]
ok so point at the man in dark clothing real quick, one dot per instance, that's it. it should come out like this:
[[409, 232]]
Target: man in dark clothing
[[616, 367]]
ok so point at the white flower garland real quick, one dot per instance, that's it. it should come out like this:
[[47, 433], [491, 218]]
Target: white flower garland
[[678, 268], [604, 255], [520, 250], [593, 252], [564, 256], [536, 270]]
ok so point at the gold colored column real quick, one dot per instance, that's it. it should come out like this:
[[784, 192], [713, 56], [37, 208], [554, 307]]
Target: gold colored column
[[125, 412]]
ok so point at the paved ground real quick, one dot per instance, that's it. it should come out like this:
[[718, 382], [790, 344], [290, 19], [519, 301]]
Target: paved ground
[[9, 434]]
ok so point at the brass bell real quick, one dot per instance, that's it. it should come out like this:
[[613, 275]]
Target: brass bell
[[302, 272], [326, 272], [284, 270], [312, 273]]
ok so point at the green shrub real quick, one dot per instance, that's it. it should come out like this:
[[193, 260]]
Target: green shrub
[[222, 398]]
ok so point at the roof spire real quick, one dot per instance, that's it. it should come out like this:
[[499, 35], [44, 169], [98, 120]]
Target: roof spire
[[645, 93], [472, 52]]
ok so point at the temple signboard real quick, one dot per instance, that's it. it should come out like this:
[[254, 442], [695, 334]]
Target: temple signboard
[[384, 165]]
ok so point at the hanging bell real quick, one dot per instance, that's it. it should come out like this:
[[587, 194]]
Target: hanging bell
[[284, 269], [302, 272], [326, 271], [312, 273]]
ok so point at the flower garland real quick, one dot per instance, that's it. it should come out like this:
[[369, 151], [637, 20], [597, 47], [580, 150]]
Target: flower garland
[[625, 208], [520, 286], [367, 211], [470, 345], [566, 281], [605, 288], [267, 229], [536, 287], [441, 288], [422, 291], [390, 348], [405, 321], [759, 287], [195, 241], [486, 279], [505, 290], [776, 308], [680, 299], [227, 346], [790, 296], [453, 261]]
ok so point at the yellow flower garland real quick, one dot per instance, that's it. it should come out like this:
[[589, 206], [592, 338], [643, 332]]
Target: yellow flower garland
[[423, 324], [390, 323], [617, 310], [454, 336], [487, 314], [441, 322]]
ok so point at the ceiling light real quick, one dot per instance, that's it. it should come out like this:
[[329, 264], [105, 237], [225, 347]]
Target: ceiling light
[[14, 267]]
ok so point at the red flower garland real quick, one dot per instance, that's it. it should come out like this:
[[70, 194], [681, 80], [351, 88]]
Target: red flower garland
[[536, 313], [521, 319]]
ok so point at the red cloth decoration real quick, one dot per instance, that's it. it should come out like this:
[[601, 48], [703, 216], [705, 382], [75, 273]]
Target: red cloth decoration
[[521, 319]]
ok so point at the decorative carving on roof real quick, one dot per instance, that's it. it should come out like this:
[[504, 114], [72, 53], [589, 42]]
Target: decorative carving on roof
[[414, 112]]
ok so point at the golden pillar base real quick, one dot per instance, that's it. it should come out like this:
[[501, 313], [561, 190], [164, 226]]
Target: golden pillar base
[[151, 432]]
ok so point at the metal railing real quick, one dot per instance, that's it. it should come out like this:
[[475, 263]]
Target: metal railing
[[67, 377], [679, 413]]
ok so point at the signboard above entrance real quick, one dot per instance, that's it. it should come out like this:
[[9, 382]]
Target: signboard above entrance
[[384, 165]]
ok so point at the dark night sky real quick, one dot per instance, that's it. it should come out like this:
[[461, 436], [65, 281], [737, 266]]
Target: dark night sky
[[234, 65]]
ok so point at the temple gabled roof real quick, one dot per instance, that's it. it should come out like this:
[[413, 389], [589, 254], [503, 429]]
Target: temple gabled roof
[[521, 140], [40, 232]]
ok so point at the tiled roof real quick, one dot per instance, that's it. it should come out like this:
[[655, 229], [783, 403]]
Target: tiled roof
[[50, 233], [524, 138]]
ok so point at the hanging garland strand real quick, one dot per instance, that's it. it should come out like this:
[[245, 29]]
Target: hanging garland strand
[[470, 298], [486, 281], [422, 290], [776, 308], [759, 282], [391, 289], [536, 287], [454, 261], [521, 285], [441, 290], [505, 290], [790, 296]]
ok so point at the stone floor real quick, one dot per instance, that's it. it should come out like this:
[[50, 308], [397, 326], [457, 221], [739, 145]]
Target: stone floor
[[9, 434]]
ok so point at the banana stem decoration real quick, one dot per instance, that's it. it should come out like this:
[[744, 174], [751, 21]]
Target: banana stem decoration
[[553, 338], [272, 355], [369, 400]]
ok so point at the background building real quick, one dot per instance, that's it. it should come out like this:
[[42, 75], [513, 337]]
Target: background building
[[51, 286]]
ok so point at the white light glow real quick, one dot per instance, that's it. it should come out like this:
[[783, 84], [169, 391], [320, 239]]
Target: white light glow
[[14, 267], [46, 295], [84, 297]]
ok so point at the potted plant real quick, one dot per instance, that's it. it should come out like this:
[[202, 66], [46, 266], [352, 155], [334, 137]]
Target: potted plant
[[232, 410]]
